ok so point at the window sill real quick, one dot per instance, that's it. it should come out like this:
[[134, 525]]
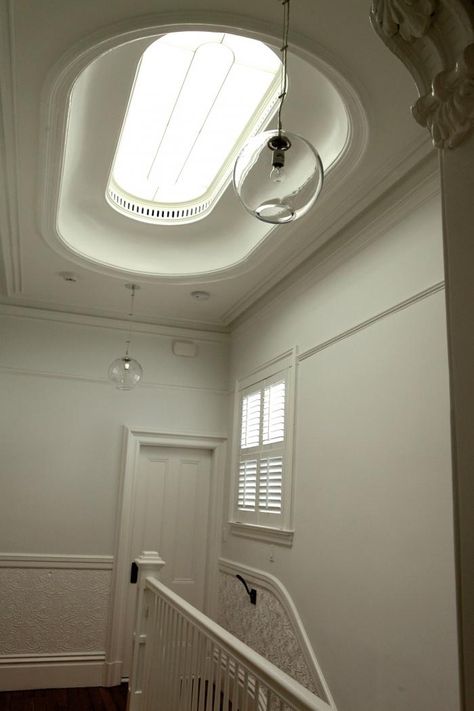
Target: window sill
[[262, 533]]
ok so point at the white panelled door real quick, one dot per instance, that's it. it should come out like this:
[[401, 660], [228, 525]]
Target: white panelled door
[[171, 515]]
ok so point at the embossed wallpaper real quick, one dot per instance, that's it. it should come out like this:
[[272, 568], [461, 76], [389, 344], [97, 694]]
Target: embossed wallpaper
[[53, 611], [266, 628]]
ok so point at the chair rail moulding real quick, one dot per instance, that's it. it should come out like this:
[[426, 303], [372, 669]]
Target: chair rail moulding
[[65, 179], [53, 560]]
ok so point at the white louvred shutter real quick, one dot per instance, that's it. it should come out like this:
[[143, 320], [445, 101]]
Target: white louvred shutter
[[251, 413], [247, 490], [262, 457], [273, 426], [270, 485]]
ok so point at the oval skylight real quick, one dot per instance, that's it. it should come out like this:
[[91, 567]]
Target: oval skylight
[[197, 98]]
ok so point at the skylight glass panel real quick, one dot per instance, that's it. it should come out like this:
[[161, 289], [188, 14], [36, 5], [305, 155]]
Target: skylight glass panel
[[196, 100]]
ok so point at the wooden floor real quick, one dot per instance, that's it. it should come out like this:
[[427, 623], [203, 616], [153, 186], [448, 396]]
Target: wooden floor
[[94, 699]]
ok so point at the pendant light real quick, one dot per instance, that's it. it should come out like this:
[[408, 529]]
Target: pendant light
[[278, 175], [126, 372]]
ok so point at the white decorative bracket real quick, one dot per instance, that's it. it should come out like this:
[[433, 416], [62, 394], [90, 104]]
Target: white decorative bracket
[[408, 18], [448, 112], [149, 564], [435, 41]]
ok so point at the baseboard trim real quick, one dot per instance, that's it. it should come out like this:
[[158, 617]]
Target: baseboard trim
[[56, 671]]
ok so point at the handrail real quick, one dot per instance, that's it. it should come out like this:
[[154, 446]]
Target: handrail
[[288, 689]]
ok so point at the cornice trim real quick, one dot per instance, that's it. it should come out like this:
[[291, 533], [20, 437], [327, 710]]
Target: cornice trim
[[414, 191], [112, 323], [420, 159]]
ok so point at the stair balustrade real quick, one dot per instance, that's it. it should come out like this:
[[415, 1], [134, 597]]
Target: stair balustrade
[[184, 661]]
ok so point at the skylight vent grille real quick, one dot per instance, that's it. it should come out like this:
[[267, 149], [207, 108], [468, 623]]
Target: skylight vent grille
[[157, 214]]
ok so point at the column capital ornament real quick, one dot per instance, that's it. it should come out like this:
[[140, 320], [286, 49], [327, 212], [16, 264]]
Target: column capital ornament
[[435, 41]]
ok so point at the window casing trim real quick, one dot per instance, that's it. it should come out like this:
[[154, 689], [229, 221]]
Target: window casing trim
[[276, 528]]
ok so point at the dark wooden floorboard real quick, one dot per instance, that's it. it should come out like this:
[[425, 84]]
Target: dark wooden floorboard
[[80, 699]]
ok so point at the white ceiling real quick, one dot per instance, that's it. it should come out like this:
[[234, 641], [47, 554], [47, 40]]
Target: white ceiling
[[337, 60]]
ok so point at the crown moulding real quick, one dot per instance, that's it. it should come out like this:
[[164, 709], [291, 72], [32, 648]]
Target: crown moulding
[[435, 41]]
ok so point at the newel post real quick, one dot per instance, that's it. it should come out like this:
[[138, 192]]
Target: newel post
[[149, 563]]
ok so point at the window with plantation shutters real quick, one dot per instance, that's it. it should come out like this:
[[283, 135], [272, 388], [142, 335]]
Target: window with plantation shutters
[[262, 488], [262, 437]]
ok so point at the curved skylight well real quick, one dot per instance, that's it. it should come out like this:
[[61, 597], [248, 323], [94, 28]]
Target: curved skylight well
[[196, 100]]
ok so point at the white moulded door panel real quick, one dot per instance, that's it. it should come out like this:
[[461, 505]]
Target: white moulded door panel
[[171, 515]]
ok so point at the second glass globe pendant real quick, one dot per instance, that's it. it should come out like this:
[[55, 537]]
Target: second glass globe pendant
[[126, 372], [278, 175]]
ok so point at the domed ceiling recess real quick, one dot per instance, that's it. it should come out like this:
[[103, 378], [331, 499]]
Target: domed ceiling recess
[[164, 209]]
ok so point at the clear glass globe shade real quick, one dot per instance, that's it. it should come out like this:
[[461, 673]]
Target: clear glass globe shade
[[125, 373], [282, 194]]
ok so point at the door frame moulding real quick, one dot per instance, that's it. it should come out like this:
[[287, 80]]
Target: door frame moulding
[[133, 440]]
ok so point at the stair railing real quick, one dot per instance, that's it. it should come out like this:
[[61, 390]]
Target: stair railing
[[184, 661]]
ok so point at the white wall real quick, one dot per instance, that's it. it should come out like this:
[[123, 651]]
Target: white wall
[[61, 428], [371, 569]]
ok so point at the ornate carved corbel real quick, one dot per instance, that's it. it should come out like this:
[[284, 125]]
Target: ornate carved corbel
[[435, 41], [410, 18], [448, 112]]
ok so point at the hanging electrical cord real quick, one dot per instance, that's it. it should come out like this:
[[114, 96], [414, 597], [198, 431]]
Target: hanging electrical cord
[[284, 57], [133, 288]]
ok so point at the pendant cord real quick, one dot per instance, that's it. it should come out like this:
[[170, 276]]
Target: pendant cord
[[284, 54], [130, 314]]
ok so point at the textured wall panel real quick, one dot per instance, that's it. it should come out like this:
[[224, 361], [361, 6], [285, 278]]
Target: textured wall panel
[[52, 611], [265, 627]]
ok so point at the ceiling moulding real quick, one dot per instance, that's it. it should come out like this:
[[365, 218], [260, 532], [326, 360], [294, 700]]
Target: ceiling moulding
[[435, 41], [208, 333], [362, 199], [419, 186], [55, 100], [9, 231]]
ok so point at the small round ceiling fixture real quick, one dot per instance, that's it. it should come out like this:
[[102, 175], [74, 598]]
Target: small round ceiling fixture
[[200, 295], [68, 276]]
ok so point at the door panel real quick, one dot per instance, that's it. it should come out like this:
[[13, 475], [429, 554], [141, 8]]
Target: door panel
[[171, 516]]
